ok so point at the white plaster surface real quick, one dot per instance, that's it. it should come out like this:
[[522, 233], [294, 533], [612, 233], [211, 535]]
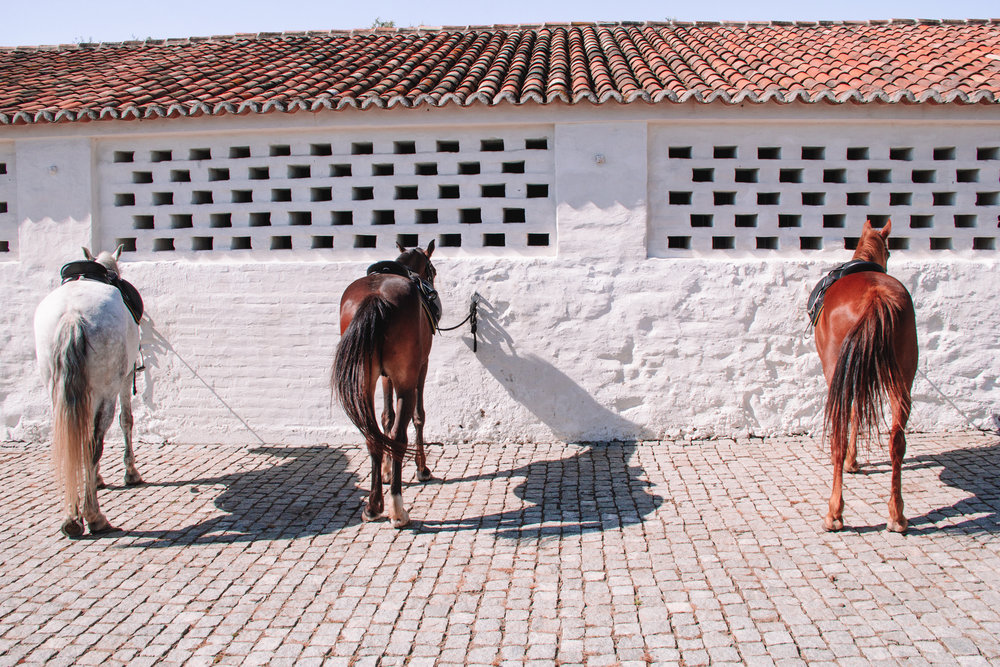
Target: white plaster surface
[[596, 342]]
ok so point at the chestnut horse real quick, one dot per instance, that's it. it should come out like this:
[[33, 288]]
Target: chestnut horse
[[386, 331], [866, 337]]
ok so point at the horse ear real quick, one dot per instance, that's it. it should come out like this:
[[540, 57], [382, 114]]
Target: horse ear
[[430, 249], [401, 247], [885, 230], [87, 254], [118, 251], [867, 227]]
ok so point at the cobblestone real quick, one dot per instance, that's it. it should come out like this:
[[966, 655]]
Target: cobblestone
[[663, 552]]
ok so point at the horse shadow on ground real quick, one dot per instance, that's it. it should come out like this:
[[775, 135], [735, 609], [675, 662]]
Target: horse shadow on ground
[[975, 470], [595, 489], [311, 493]]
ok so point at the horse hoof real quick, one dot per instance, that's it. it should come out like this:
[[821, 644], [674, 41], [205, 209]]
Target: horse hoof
[[897, 526], [370, 516], [72, 528], [101, 526], [832, 525], [133, 480], [423, 475], [853, 469], [100, 483]]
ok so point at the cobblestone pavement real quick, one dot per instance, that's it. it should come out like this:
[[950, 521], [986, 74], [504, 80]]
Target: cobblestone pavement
[[622, 553]]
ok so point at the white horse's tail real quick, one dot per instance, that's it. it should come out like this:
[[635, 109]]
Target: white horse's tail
[[73, 420]]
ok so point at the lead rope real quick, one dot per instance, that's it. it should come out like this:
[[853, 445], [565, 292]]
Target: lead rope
[[137, 368], [471, 317]]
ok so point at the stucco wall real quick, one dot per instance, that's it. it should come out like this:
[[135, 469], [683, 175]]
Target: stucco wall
[[596, 340]]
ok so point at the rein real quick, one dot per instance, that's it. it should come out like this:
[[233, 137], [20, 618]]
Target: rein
[[472, 317]]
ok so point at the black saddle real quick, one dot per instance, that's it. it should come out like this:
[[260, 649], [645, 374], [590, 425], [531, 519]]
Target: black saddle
[[86, 269], [429, 298], [815, 304]]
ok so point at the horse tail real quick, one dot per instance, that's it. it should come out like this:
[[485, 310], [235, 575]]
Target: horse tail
[[73, 420], [866, 369], [359, 348]]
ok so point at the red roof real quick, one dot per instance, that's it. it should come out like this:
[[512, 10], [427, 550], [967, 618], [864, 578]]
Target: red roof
[[877, 61]]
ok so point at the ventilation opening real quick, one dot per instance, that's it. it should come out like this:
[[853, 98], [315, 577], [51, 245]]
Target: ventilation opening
[[539, 144], [789, 220], [259, 173], [898, 243], [202, 197], [299, 218], [142, 222], [219, 220], [425, 169], [238, 152], [487, 145], [321, 194], [162, 156], [260, 219], [162, 198], [701, 220], [903, 154], [123, 156], [406, 192], [987, 198], [723, 242], [769, 153], [494, 240], [813, 198], [724, 198], [383, 169], [383, 217], [944, 198], [163, 245], [813, 152], [746, 176], [988, 153], [299, 171], [984, 244], [967, 175], [900, 198], [679, 242], [426, 216], [513, 215], [470, 216], [281, 194], [879, 175], [408, 240], [280, 150], [322, 242], [921, 221], [941, 243], [360, 194], [679, 152], [342, 218], [141, 176], [724, 152], [447, 147], [128, 245], [706, 175], [281, 243], [811, 243], [499, 190], [768, 198], [181, 221], [767, 243], [362, 148], [241, 243], [878, 221], [857, 198], [340, 170], [857, 153], [404, 147], [242, 196], [746, 220], [834, 220], [850, 243], [512, 168], [536, 240], [468, 168], [679, 198], [965, 221], [790, 175], [320, 149], [834, 175], [125, 199], [537, 191], [923, 176], [448, 192], [200, 154], [201, 243], [946, 153], [450, 240]]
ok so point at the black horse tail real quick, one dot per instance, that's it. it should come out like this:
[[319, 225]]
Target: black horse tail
[[360, 347], [867, 367]]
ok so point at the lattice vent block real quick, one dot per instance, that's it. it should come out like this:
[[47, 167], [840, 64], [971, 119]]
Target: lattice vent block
[[8, 191]]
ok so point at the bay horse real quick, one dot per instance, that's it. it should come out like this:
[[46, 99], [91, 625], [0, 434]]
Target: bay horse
[[86, 342], [386, 331], [866, 336]]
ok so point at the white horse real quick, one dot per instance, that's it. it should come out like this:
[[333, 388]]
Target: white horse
[[86, 341]]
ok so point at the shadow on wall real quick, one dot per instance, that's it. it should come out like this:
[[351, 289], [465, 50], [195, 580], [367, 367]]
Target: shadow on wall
[[311, 493], [555, 399]]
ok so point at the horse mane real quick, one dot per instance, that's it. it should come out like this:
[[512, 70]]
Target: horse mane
[[871, 247]]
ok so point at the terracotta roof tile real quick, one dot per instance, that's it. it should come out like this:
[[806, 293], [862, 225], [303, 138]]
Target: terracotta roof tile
[[837, 62]]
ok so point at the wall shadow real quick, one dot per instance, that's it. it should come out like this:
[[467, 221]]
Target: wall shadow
[[311, 493], [975, 470]]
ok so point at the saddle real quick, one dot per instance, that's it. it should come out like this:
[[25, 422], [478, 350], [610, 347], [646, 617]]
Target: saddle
[[815, 304], [89, 270], [429, 298]]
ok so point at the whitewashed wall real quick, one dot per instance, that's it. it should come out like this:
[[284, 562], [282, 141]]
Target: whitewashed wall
[[611, 328]]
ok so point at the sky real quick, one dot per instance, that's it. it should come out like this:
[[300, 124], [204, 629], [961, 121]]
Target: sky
[[34, 22]]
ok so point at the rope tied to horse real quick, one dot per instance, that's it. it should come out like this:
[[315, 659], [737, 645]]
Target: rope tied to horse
[[472, 317]]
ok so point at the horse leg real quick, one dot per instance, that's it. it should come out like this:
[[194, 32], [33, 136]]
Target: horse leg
[[404, 413], [423, 472], [132, 476], [388, 418], [834, 519], [96, 521], [851, 464], [897, 449], [373, 509]]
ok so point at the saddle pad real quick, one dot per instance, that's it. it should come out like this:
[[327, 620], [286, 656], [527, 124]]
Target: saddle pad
[[88, 270], [815, 305]]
